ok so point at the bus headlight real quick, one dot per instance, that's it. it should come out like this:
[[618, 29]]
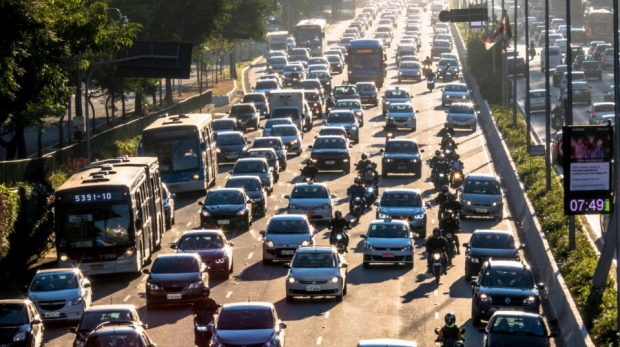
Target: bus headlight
[[64, 257], [196, 176], [129, 252]]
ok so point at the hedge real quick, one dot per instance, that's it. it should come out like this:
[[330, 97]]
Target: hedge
[[9, 206]]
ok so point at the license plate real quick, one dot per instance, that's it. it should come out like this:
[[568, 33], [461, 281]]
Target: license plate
[[330, 162], [313, 288], [173, 296], [401, 167], [481, 210], [223, 222], [288, 252], [96, 267], [387, 255], [52, 314]]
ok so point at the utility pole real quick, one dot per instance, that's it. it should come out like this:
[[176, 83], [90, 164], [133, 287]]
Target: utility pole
[[527, 75], [568, 111], [514, 76], [547, 104]]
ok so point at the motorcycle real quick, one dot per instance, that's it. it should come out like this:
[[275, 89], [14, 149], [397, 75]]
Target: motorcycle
[[532, 52], [203, 329], [439, 265], [357, 207], [448, 342], [317, 110], [311, 178], [426, 70], [338, 240], [457, 178], [448, 76], [389, 135], [430, 84], [371, 192], [441, 179], [295, 82]]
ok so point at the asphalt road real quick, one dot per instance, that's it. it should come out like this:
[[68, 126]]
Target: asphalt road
[[383, 301]]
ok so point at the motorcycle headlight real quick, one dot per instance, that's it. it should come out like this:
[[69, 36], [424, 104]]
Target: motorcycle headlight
[[307, 243], [436, 256], [195, 285], [486, 298], [529, 301], [269, 244], [20, 336], [205, 214], [418, 216], [153, 286], [201, 328], [369, 247], [292, 280], [334, 280], [220, 261], [76, 301]]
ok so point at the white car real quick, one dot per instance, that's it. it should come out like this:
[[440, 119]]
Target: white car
[[388, 242], [403, 115], [317, 271], [311, 199], [60, 294]]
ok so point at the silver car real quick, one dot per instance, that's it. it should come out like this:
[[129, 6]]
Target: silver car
[[284, 234], [462, 115], [354, 105], [255, 167], [348, 120], [454, 92], [394, 95], [276, 64], [290, 135], [537, 99], [272, 122], [404, 115], [481, 195], [388, 242], [311, 199], [409, 70], [60, 294], [317, 271], [599, 111]]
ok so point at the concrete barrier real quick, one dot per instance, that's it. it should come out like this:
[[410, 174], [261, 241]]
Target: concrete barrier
[[563, 309], [223, 100]]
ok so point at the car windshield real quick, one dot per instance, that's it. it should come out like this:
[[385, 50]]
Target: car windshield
[[50, 282], [492, 240], [347, 105], [511, 278], [390, 199], [253, 98], [473, 186], [245, 319], [241, 110], [267, 143], [521, 325], [329, 142], [318, 75], [247, 184], [388, 231], [332, 131], [461, 109], [401, 147], [224, 198], [284, 131], [287, 226], [291, 68], [13, 314], [444, 62], [397, 94], [314, 260], [175, 265], [277, 60], [603, 108], [224, 124], [401, 109], [260, 154], [198, 242], [345, 90], [309, 85], [91, 320], [366, 87], [229, 140], [115, 339], [266, 85], [409, 66], [280, 121], [250, 166], [309, 192], [341, 118]]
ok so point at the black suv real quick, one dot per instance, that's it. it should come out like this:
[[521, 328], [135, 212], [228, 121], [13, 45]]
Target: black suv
[[401, 156], [501, 285], [331, 152], [592, 69], [21, 324], [119, 333], [516, 65], [486, 244]]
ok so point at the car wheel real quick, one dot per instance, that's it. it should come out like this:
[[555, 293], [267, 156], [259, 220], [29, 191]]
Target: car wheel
[[418, 172], [409, 265], [365, 265], [150, 305], [267, 261], [168, 224], [290, 299], [442, 104], [347, 170], [414, 129], [173, 220], [339, 298], [384, 173]]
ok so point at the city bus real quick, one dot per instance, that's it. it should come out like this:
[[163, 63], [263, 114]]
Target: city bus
[[105, 221], [599, 21], [366, 61], [343, 9], [310, 34], [185, 147]]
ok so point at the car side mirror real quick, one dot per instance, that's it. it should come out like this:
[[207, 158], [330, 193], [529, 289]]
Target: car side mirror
[[282, 325], [309, 146], [350, 145], [333, 196], [363, 236], [249, 142], [263, 232], [483, 330], [540, 285], [230, 172], [466, 245], [231, 244], [474, 283], [173, 246], [344, 265], [248, 201], [72, 330], [146, 271], [201, 203], [287, 197], [87, 284], [376, 203]]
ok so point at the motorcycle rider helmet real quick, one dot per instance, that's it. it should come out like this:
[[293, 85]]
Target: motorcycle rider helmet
[[437, 152], [357, 180], [338, 214], [436, 232], [450, 319], [206, 291], [459, 344], [369, 167], [364, 156], [444, 188]]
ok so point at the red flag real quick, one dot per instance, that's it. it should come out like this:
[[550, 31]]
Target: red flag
[[501, 34]]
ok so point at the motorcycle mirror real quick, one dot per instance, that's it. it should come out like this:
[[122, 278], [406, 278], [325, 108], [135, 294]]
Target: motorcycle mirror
[[474, 283], [333, 196], [263, 232], [287, 197], [344, 265]]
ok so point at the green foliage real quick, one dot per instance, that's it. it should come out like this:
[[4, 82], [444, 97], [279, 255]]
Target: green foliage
[[577, 267], [9, 206], [248, 20], [57, 178], [128, 147], [480, 64]]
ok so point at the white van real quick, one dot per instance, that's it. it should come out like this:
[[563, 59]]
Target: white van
[[555, 57]]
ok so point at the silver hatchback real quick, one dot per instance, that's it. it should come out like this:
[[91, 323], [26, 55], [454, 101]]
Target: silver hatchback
[[284, 234], [317, 271], [481, 195]]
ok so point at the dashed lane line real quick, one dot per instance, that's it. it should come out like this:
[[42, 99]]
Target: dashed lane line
[[319, 340], [228, 295], [250, 255], [126, 298]]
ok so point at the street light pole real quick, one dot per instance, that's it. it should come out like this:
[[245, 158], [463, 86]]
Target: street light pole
[[527, 75], [547, 104]]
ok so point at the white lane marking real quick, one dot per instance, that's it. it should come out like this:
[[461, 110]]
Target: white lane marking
[[432, 221], [319, 340], [326, 314], [250, 255], [126, 298], [228, 295], [435, 292], [144, 278], [275, 208], [436, 315], [188, 224]]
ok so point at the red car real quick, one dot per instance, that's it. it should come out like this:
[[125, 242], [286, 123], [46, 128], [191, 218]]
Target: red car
[[212, 247]]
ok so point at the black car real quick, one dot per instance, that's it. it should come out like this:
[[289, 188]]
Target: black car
[[486, 244], [502, 285], [100, 314], [346, 92], [253, 188], [120, 333], [223, 125], [558, 74], [259, 100], [212, 247], [229, 145], [608, 96], [246, 115], [592, 69], [401, 156], [516, 328], [314, 100], [368, 93], [226, 207], [20, 324], [516, 65], [579, 59], [176, 278], [168, 205], [581, 93], [331, 153]]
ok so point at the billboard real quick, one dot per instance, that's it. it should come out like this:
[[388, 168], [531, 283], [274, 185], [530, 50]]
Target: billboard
[[587, 169]]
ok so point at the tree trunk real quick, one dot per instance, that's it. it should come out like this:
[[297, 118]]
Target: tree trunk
[[94, 116], [40, 141], [168, 98], [154, 95], [20, 141], [161, 103], [61, 135], [113, 102], [107, 111], [138, 104], [78, 99], [233, 66], [123, 105]]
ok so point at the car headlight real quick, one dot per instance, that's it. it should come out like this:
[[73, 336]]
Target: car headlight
[[418, 216], [414, 160], [353, 128], [76, 301], [20, 336], [241, 213], [307, 243], [386, 102], [292, 207], [269, 244], [205, 214], [369, 247], [273, 342], [467, 202], [406, 248], [325, 206], [334, 280], [400, 72], [389, 160], [496, 203], [294, 142], [195, 285], [486, 298], [529, 301], [292, 280], [358, 113], [153, 286], [221, 260], [475, 260]]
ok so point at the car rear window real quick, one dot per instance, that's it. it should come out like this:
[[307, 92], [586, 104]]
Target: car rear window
[[461, 109], [229, 140], [495, 240], [511, 278], [309, 192], [248, 319], [91, 320], [314, 260], [249, 166], [603, 108], [340, 118], [473, 186], [401, 147], [247, 184], [267, 143], [522, 325], [397, 94], [287, 226], [388, 231], [290, 130], [170, 265]]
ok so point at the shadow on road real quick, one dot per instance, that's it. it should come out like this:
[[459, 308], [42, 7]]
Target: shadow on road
[[377, 273], [304, 307]]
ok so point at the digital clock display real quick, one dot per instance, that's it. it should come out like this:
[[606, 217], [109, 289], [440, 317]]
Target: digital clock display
[[587, 206], [92, 197]]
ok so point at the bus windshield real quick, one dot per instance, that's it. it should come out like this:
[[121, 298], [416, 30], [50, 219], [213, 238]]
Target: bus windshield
[[177, 150], [94, 225], [308, 35], [367, 62]]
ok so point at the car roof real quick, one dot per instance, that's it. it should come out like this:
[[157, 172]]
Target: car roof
[[310, 249], [247, 305], [508, 264], [284, 126], [492, 231], [482, 176], [183, 255], [249, 160], [401, 191], [514, 313], [386, 343], [403, 140], [392, 221], [310, 184], [263, 149], [288, 217], [59, 271], [13, 301], [329, 136], [204, 231], [105, 308], [244, 177], [231, 133]]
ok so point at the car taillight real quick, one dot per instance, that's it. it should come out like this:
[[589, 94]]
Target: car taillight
[[586, 91], [592, 115]]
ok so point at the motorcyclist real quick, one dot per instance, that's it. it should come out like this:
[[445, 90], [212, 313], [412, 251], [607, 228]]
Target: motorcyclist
[[428, 61], [330, 102], [430, 75], [390, 127], [356, 190], [204, 308], [436, 158], [441, 198], [450, 332], [310, 170], [451, 223], [445, 71], [448, 141], [339, 225], [363, 163], [532, 50], [370, 176], [435, 243], [294, 78], [442, 165], [447, 129], [457, 164]]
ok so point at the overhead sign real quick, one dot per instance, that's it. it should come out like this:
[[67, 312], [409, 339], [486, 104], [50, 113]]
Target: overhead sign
[[588, 151], [155, 60], [464, 15], [537, 151]]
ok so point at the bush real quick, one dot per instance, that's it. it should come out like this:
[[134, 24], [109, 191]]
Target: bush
[[598, 309], [9, 207], [57, 178], [128, 147]]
